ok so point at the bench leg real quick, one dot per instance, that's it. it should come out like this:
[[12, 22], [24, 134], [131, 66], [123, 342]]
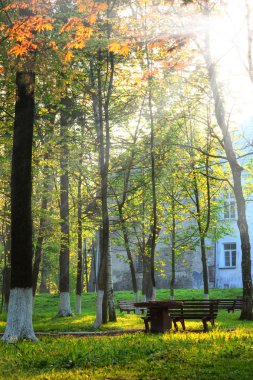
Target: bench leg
[[175, 325], [146, 325], [205, 325], [182, 323]]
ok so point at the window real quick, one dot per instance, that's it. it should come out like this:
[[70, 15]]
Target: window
[[230, 207], [230, 255]]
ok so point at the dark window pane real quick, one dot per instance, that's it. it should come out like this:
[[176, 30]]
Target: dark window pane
[[233, 246], [227, 258], [227, 246], [233, 258]]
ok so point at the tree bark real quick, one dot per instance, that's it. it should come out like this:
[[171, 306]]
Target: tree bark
[[44, 274], [128, 250], [64, 305], [173, 252], [101, 116], [111, 306], [79, 275], [19, 322], [6, 269], [47, 188]]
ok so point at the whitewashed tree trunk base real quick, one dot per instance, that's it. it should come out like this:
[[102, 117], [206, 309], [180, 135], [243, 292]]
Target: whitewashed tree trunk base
[[19, 321], [78, 304], [98, 321], [206, 296], [144, 298], [64, 306], [172, 298]]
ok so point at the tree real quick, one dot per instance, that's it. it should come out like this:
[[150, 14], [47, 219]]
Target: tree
[[19, 322], [236, 170], [64, 305]]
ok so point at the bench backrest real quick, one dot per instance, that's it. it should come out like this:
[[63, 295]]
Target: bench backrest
[[229, 303], [196, 309]]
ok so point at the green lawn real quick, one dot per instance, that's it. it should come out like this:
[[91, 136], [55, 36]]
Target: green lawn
[[218, 354]]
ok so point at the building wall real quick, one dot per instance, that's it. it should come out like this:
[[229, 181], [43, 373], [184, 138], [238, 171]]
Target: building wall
[[189, 274], [232, 277]]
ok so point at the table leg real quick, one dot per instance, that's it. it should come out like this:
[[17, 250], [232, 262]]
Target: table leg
[[160, 320]]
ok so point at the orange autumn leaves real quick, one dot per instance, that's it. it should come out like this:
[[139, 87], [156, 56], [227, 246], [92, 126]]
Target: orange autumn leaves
[[24, 23], [28, 25]]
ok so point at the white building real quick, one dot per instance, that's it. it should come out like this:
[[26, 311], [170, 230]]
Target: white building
[[228, 254]]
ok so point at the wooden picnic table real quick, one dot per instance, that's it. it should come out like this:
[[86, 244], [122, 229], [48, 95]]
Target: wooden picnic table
[[159, 314]]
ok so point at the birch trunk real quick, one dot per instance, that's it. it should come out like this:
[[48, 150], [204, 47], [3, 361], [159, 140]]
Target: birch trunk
[[98, 321], [19, 324]]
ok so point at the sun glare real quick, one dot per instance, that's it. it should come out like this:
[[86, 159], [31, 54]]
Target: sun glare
[[229, 48]]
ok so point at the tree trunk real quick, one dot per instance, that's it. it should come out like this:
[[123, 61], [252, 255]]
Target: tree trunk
[[173, 253], [147, 288], [100, 291], [128, 250], [47, 188], [111, 306], [19, 322], [204, 267], [44, 273], [79, 276], [64, 306], [6, 270], [103, 139], [154, 231]]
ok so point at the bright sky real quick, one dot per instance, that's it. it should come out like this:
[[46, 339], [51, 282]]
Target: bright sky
[[229, 46]]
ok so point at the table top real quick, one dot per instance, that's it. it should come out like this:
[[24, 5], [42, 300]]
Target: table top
[[158, 304]]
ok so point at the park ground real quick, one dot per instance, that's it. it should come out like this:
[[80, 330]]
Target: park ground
[[224, 352]]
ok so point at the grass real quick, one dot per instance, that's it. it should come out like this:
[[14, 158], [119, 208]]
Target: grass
[[218, 354]]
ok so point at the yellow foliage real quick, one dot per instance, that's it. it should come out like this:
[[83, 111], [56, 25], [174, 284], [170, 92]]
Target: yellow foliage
[[114, 47], [68, 56], [124, 50], [118, 48]]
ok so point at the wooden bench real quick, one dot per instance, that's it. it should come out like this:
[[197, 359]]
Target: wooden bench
[[238, 302], [204, 310], [230, 304], [128, 306]]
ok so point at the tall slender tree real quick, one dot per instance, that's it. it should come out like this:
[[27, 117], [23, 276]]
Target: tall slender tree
[[236, 170]]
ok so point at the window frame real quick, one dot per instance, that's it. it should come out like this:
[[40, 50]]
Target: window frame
[[229, 255], [229, 207]]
